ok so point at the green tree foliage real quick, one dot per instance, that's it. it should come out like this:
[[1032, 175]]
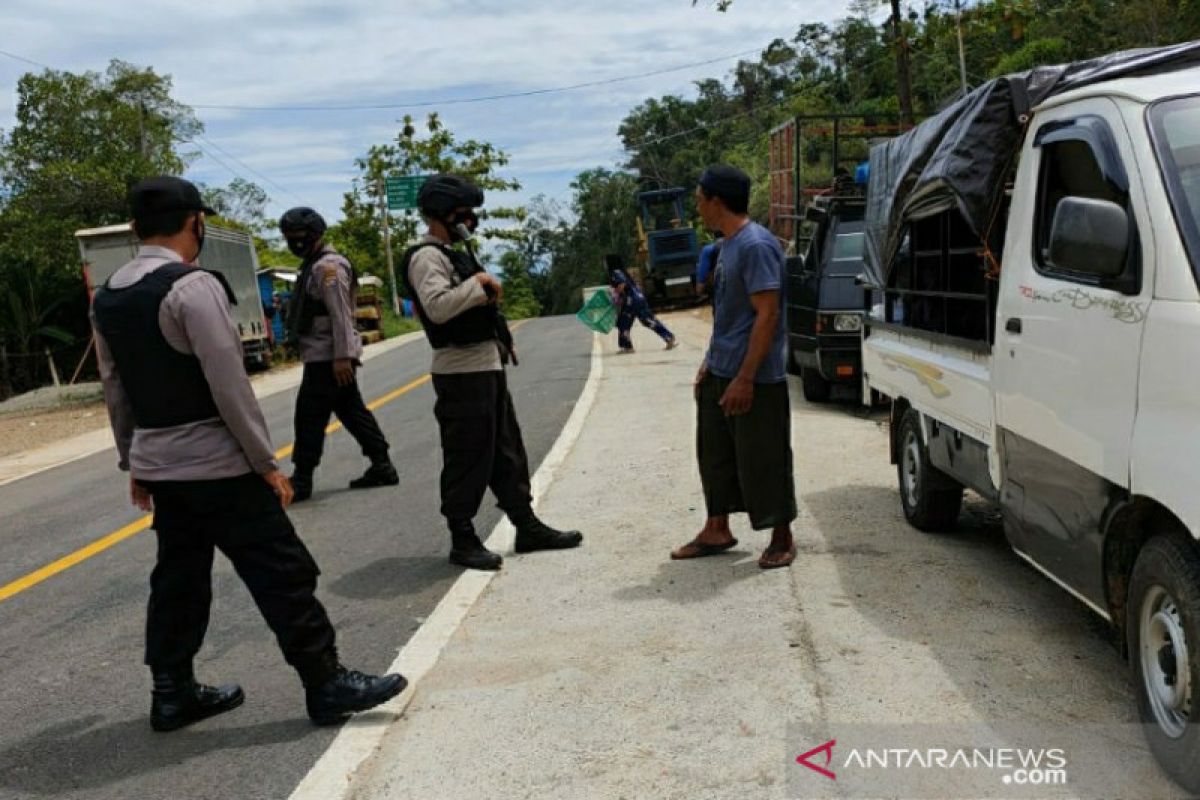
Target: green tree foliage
[[519, 299], [436, 149], [604, 212], [78, 143], [242, 204]]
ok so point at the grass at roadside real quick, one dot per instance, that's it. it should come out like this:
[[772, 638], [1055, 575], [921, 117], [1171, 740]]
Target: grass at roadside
[[395, 325]]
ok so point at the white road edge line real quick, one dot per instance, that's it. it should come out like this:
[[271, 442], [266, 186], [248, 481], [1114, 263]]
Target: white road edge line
[[332, 776]]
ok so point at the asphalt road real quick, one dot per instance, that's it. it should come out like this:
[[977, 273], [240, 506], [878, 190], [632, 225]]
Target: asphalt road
[[74, 695]]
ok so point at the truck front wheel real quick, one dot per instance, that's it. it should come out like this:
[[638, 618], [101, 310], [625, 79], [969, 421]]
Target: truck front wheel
[[1164, 646], [931, 498]]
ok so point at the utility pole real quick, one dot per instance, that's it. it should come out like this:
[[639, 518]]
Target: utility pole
[[962, 53], [903, 73], [387, 245], [142, 129]]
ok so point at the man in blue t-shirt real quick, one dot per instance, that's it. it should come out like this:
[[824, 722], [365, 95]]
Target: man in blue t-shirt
[[743, 440]]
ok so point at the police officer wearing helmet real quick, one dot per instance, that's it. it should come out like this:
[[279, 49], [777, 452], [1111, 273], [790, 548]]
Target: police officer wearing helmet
[[457, 303], [193, 438], [321, 321]]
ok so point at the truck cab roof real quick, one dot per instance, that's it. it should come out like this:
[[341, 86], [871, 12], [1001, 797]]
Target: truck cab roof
[[1145, 90]]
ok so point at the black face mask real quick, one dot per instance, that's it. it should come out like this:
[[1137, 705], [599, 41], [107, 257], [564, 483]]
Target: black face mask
[[299, 245], [462, 222]]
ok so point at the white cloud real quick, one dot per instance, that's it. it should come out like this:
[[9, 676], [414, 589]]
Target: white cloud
[[254, 52]]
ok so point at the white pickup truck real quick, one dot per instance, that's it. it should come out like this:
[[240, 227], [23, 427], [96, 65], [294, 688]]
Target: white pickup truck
[[1040, 344]]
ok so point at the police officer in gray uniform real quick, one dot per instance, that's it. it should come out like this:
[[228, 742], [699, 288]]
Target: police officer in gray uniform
[[192, 436], [321, 321], [457, 303]]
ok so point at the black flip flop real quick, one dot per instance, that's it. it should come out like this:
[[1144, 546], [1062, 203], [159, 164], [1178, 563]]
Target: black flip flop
[[703, 549]]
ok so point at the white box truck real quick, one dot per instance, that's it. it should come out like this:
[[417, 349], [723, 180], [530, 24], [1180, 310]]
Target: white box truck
[[229, 252], [1038, 247]]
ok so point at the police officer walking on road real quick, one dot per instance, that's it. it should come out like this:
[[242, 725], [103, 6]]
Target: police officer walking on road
[[321, 321], [190, 432], [457, 302]]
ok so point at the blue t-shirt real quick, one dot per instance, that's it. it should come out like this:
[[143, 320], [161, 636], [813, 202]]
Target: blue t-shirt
[[708, 255], [749, 262]]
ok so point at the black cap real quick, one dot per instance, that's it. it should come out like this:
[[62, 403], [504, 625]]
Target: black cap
[[154, 196], [728, 183], [302, 218]]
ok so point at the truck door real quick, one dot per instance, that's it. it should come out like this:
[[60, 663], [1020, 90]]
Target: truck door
[[803, 295], [1068, 342]]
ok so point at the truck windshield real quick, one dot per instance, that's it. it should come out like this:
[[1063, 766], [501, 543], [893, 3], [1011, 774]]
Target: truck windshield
[[1176, 127], [847, 253]]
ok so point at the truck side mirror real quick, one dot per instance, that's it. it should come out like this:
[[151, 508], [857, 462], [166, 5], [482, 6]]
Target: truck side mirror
[[814, 214], [1089, 236]]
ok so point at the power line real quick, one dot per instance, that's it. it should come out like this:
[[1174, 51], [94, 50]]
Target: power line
[[231, 170], [206, 140], [248, 168], [449, 101], [26, 60], [483, 98]]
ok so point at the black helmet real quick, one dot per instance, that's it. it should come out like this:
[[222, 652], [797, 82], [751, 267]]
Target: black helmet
[[441, 194], [302, 218]]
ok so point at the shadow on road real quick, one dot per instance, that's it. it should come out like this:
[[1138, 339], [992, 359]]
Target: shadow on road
[[83, 754], [695, 580], [393, 577], [998, 628]]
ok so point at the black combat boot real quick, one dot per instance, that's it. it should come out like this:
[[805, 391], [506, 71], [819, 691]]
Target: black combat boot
[[332, 693], [382, 472], [467, 551], [533, 534], [177, 700], [302, 484]]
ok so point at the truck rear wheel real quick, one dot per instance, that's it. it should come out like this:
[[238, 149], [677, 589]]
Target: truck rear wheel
[[931, 498], [816, 388], [1164, 645]]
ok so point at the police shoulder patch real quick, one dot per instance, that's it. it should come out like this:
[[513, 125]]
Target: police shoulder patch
[[330, 275]]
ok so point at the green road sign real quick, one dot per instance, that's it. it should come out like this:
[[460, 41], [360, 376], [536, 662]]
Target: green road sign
[[402, 191]]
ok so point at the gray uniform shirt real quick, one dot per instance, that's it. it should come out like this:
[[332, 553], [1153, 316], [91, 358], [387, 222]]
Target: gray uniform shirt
[[194, 318], [444, 296], [334, 336]]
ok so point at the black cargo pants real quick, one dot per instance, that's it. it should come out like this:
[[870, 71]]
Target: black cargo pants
[[243, 518], [321, 396], [481, 444]]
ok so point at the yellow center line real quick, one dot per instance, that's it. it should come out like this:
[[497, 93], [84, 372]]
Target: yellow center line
[[139, 525]]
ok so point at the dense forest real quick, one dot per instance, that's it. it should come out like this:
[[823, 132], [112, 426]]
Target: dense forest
[[79, 140]]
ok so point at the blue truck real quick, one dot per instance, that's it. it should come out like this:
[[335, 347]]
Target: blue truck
[[667, 247]]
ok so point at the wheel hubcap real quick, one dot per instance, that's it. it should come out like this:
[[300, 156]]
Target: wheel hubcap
[[1164, 659], [910, 463]]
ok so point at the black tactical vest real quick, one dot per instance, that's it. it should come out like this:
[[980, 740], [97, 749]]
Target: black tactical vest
[[304, 308], [165, 387], [475, 325]]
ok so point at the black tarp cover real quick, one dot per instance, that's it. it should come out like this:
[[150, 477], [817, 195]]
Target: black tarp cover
[[958, 158]]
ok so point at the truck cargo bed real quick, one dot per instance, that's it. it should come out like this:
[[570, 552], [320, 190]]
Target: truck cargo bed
[[947, 379]]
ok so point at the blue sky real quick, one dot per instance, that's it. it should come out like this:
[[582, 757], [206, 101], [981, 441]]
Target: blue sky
[[279, 53]]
